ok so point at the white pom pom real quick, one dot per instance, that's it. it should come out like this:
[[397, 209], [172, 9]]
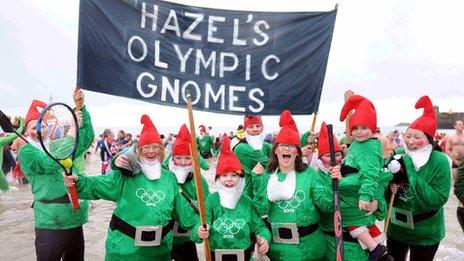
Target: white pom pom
[[394, 166]]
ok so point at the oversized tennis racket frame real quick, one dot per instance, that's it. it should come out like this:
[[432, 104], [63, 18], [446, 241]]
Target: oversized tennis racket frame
[[336, 200], [72, 193]]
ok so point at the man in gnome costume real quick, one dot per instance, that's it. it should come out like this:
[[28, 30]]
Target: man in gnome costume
[[230, 214], [417, 221], [288, 193], [58, 228], [146, 202], [253, 150], [347, 184], [205, 143]]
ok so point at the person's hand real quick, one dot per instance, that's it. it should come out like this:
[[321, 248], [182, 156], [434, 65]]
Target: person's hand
[[122, 161], [258, 169], [17, 144], [15, 121], [203, 233], [363, 205], [305, 150], [335, 172], [393, 188], [373, 206], [262, 244], [78, 96], [70, 180]]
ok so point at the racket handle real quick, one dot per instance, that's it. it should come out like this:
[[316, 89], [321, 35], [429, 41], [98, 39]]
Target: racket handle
[[73, 197]]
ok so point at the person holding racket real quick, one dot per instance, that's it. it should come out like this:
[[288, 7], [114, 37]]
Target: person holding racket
[[147, 200], [417, 220], [58, 227], [287, 192]]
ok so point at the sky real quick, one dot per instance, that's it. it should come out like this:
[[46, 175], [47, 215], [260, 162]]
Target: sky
[[391, 52]]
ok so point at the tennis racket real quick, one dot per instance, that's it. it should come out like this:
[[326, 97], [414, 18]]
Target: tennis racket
[[58, 133]]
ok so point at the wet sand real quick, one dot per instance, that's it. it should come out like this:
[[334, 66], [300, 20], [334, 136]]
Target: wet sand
[[17, 224]]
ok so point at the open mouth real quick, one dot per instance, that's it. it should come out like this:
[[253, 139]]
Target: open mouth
[[286, 156], [229, 185]]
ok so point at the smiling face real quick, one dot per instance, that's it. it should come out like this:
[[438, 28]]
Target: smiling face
[[229, 180], [182, 160], [151, 152], [415, 139], [286, 155], [254, 129], [361, 133]]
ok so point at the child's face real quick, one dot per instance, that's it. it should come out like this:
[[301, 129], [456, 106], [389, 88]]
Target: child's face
[[182, 160], [361, 133], [229, 180], [325, 158]]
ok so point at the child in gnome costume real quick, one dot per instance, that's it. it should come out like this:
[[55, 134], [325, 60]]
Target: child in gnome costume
[[253, 150], [230, 214], [58, 228], [146, 202], [348, 184], [288, 193], [365, 157], [205, 143], [417, 221]]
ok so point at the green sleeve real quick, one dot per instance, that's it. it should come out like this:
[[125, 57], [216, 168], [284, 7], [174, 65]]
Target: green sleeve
[[459, 182], [206, 191], [165, 163], [258, 227], [322, 195], [184, 213], [36, 161], [369, 167], [260, 200], [11, 137], [107, 187], [203, 163], [435, 192], [86, 134], [250, 157], [209, 217]]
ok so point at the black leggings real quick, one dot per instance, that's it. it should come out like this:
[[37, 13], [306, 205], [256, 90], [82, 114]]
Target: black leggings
[[399, 250], [460, 215], [184, 252], [66, 244]]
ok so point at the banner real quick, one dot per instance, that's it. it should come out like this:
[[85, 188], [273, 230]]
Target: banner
[[239, 62]]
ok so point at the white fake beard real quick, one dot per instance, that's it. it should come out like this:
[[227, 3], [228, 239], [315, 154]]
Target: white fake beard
[[320, 165], [230, 196], [180, 172], [255, 141], [151, 169], [419, 157], [281, 190]]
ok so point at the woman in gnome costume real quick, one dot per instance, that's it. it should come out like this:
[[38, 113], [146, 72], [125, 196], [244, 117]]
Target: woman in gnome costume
[[146, 202], [417, 221], [253, 150], [230, 214], [58, 228], [348, 184], [364, 157], [287, 192]]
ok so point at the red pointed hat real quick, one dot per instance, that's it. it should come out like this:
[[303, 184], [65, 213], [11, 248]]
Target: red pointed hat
[[202, 128], [364, 113], [33, 113], [289, 132], [182, 144], [227, 161], [323, 141], [251, 119], [149, 133], [428, 121]]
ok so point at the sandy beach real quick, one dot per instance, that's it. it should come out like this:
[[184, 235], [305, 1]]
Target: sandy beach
[[17, 223]]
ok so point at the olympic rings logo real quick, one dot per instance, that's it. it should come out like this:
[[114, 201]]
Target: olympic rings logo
[[228, 227], [150, 197], [294, 202]]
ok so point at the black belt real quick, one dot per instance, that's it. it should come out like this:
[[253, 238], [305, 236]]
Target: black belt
[[346, 236], [61, 200], [416, 218], [286, 233], [129, 230], [247, 253]]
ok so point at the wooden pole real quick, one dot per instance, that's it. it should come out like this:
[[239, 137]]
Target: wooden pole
[[197, 175], [389, 211], [313, 124], [348, 94]]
